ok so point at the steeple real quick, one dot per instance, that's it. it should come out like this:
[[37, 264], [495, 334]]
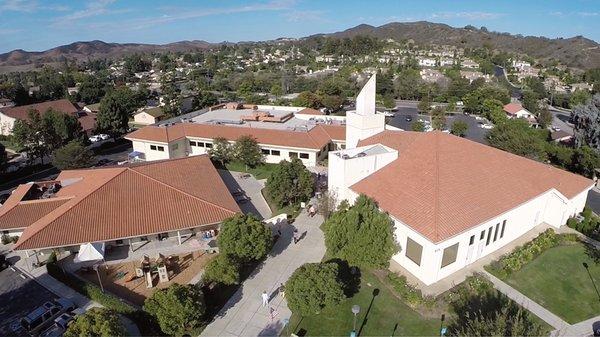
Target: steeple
[[364, 122]]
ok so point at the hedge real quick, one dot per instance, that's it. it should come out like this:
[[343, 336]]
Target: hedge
[[407, 292], [521, 256], [90, 290]]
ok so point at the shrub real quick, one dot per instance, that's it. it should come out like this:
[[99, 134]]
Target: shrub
[[290, 183], [515, 260], [313, 287], [223, 269], [411, 295], [178, 308], [5, 239]]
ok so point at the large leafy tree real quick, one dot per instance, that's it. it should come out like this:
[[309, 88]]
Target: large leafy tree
[[96, 322], [221, 150], [34, 135], [361, 234], [585, 160], [178, 308], [245, 237], [115, 109], [586, 118], [247, 151], [223, 269], [73, 156], [290, 182], [459, 128], [517, 137], [313, 287]]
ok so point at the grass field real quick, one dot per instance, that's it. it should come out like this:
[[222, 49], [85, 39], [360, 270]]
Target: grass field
[[558, 281], [262, 171], [380, 315]]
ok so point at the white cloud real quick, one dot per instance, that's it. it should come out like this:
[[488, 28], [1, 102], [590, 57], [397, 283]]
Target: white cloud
[[309, 15], [18, 5], [466, 15], [187, 14], [587, 14], [8, 31], [93, 8]]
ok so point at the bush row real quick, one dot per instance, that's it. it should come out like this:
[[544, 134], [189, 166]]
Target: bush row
[[519, 257], [407, 292], [89, 290], [589, 226], [6, 239]]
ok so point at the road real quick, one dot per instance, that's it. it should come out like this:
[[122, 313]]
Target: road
[[561, 119]]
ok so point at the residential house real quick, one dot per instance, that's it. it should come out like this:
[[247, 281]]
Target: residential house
[[452, 201], [516, 110], [426, 61], [148, 115], [8, 116], [431, 75]]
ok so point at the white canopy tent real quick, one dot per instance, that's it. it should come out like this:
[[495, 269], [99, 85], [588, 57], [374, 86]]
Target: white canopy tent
[[92, 251]]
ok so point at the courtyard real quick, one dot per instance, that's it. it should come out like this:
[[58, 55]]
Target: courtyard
[[558, 280]]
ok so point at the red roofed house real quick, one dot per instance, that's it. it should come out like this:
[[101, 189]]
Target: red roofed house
[[119, 206], [516, 110], [8, 116], [453, 201]]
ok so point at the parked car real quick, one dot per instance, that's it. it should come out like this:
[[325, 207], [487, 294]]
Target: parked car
[[486, 126], [408, 118], [105, 162], [103, 136], [99, 137], [60, 325], [44, 316]]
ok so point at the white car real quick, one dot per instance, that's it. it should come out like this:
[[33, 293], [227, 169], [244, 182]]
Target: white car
[[486, 126], [94, 138], [103, 136]]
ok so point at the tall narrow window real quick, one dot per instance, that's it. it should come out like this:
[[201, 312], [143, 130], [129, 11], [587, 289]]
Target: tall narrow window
[[496, 231], [414, 251], [472, 240], [482, 235], [489, 236], [503, 227]]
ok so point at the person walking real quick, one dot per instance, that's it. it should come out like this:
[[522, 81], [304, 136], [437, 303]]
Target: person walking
[[296, 236], [265, 299], [282, 290]]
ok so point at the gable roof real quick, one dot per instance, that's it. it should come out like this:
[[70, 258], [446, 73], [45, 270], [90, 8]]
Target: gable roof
[[22, 112], [119, 202], [513, 108], [154, 111], [310, 111], [315, 138], [442, 185]]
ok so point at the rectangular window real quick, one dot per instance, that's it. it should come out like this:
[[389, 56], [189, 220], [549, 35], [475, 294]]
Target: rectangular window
[[449, 256], [304, 155], [200, 144], [472, 240], [293, 154], [265, 151], [193, 143], [414, 251], [482, 235], [496, 231], [503, 227], [157, 148], [489, 236], [153, 147], [208, 145], [275, 153]]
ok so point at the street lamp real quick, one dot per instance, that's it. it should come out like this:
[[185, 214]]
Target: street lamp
[[585, 265], [355, 311]]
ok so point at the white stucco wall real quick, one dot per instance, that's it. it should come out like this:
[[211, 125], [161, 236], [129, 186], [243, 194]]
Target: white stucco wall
[[144, 118], [6, 124], [551, 207]]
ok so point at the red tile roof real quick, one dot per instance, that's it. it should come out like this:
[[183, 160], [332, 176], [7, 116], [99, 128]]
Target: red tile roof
[[88, 122], [513, 108], [120, 202], [310, 111], [316, 138], [442, 185]]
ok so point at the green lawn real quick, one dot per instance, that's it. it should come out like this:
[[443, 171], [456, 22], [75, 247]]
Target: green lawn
[[386, 312], [262, 171], [558, 281]]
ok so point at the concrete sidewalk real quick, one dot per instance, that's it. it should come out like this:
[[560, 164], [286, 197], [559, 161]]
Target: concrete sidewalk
[[527, 303], [243, 314]]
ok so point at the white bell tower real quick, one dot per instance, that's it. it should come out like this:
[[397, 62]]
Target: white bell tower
[[364, 122]]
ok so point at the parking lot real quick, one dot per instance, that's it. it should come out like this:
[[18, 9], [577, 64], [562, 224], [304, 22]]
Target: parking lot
[[19, 295], [475, 132]]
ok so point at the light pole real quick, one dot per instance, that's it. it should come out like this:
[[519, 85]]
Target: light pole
[[355, 311], [99, 279]]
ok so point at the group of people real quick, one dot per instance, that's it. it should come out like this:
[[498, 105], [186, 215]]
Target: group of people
[[266, 298]]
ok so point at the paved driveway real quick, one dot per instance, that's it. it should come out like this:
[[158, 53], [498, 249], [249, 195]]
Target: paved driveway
[[19, 295], [247, 188], [593, 200]]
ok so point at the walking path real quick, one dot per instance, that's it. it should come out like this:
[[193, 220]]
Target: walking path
[[243, 314], [541, 312]]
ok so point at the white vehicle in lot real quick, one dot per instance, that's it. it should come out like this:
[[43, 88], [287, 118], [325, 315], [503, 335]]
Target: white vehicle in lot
[[388, 114], [99, 137], [486, 126]]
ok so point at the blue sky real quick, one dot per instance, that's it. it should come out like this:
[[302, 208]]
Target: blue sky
[[38, 25]]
